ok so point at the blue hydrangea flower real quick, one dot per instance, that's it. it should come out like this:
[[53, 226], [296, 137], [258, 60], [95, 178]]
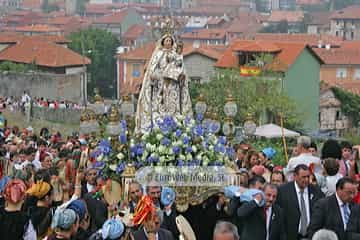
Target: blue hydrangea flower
[[123, 139], [123, 125], [222, 140], [186, 140], [199, 117], [176, 149], [165, 141], [188, 149], [178, 133], [120, 168], [99, 165], [180, 163], [198, 130]]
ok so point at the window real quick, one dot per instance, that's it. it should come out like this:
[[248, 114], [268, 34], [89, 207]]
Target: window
[[337, 22], [341, 73], [352, 35], [357, 74], [337, 33], [338, 115], [136, 70]]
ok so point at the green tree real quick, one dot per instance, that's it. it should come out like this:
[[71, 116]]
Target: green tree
[[260, 96], [350, 104], [15, 67], [100, 46]]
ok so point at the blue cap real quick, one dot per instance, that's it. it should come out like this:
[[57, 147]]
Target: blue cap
[[112, 229], [269, 152], [167, 196], [63, 218], [231, 191], [79, 207], [249, 194]]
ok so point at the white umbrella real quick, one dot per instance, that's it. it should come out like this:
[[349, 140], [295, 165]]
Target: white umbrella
[[274, 131]]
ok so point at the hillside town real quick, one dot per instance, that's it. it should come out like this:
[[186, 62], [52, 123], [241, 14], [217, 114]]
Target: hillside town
[[101, 100]]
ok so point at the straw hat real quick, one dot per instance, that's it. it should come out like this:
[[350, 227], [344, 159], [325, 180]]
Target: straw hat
[[186, 232]]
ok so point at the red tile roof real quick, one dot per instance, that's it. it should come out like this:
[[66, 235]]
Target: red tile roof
[[244, 27], [141, 53], [62, 20], [113, 18], [134, 32], [320, 18], [351, 12], [290, 16], [339, 56], [351, 44], [31, 4], [13, 37], [39, 28], [211, 51], [205, 34], [256, 46], [309, 39], [282, 61], [43, 54], [145, 52]]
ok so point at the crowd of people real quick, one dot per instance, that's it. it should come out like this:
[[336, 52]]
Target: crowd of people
[[46, 194], [13, 103]]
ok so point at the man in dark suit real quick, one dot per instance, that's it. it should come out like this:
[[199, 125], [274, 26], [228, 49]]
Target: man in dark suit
[[262, 222], [256, 182], [135, 194], [90, 181], [151, 229], [297, 198], [353, 226], [169, 212], [333, 212]]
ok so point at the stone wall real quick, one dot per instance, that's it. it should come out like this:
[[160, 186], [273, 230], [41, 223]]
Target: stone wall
[[51, 86], [68, 116]]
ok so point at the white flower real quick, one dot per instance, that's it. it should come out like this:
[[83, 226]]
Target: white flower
[[162, 159], [154, 155], [194, 149], [100, 157], [120, 156], [211, 148], [161, 149], [148, 146], [112, 167], [182, 157], [159, 136], [188, 157]]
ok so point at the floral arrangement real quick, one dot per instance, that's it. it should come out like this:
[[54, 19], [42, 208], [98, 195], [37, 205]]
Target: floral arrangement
[[179, 141]]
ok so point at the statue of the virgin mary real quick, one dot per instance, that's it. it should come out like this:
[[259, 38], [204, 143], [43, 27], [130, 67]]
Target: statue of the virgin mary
[[165, 90]]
